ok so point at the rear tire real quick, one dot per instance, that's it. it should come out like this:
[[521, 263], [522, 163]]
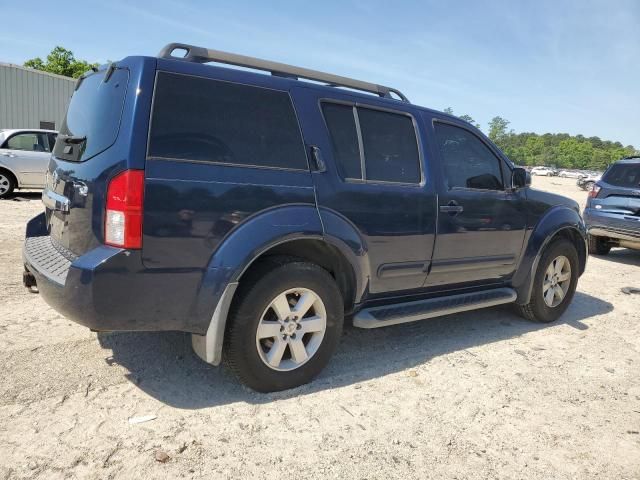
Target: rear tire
[[7, 184], [598, 246], [547, 306], [268, 344], [589, 186]]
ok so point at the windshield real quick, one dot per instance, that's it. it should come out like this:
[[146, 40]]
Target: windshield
[[625, 175], [93, 117]]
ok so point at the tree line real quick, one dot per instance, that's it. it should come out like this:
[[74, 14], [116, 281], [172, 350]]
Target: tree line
[[559, 150], [61, 62]]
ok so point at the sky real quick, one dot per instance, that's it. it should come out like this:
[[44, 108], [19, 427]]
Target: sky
[[569, 66]]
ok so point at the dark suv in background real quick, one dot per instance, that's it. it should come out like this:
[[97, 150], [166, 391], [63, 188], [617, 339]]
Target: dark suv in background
[[612, 213], [257, 211]]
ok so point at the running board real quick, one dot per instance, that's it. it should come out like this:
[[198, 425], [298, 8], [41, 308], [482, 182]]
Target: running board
[[383, 316]]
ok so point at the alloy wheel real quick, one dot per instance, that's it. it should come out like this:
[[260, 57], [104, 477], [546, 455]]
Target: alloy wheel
[[5, 184], [557, 280], [291, 329]]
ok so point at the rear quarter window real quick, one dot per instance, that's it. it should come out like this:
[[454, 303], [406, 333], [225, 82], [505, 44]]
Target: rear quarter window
[[204, 120]]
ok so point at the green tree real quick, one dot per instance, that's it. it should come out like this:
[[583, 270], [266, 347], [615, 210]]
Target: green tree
[[469, 118], [533, 150], [559, 150], [466, 118], [62, 62], [498, 129], [574, 153]]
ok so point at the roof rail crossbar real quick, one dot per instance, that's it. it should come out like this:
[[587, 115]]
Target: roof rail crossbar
[[192, 53]]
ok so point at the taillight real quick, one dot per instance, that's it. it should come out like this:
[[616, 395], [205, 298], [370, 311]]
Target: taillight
[[594, 191], [123, 215]]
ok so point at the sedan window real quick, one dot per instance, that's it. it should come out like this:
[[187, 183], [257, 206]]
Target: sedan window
[[30, 142]]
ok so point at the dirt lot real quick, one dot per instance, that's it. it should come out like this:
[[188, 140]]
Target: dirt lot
[[477, 395]]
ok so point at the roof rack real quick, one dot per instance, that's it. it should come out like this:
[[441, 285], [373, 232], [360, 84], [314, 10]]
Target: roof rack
[[191, 53]]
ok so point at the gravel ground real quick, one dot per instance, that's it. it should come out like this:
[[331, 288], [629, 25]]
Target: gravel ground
[[482, 394]]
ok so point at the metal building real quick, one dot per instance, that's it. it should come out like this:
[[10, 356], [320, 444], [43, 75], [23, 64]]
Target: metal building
[[31, 98]]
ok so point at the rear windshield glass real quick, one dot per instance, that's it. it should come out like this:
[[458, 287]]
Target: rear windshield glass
[[623, 175], [94, 114]]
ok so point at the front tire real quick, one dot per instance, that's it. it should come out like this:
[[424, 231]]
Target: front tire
[[284, 326], [598, 246], [554, 284]]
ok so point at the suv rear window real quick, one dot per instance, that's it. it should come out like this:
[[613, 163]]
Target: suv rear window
[[204, 120], [388, 140], [94, 112], [390, 146], [344, 139], [626, 175]]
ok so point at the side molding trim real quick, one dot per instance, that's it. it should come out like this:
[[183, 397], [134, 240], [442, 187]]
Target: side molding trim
[[209, 347]]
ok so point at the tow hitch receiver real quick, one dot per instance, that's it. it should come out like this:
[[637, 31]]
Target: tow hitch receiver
[[29, 281]]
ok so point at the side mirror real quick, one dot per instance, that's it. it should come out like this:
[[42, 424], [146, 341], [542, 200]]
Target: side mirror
[[520, 178]]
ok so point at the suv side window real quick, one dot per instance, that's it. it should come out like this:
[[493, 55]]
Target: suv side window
[[467, 161], [204, 120], [30, 142], [390, 146], [344, 139], [384, 143]]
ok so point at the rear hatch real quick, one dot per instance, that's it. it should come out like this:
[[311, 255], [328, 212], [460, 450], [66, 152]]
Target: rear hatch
[[619, 193], [94, 144]]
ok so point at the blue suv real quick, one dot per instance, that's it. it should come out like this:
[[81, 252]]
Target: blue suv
[[612, 213], [257, 211]]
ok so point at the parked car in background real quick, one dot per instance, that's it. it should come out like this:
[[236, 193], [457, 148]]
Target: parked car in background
[[570, 174], [612, 213], [255, 211], [24, 156], [544, 171], [586, 182]]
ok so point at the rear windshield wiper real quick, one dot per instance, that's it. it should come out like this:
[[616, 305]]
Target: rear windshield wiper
[[109, 72], [73, 139]]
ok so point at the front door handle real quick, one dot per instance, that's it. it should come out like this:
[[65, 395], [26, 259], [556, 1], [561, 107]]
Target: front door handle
[[452, 208], [8, 154]]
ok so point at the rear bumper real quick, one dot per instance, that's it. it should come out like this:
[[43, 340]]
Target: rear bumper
[[611, 225], [109, 289]]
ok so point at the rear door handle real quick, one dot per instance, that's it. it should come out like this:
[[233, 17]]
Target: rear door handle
[[8, 154], [451, 208], [318, 159]]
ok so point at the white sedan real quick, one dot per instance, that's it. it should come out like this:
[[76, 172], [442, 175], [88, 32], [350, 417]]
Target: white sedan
[[24, 156], [544, 171], [570, 174]]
